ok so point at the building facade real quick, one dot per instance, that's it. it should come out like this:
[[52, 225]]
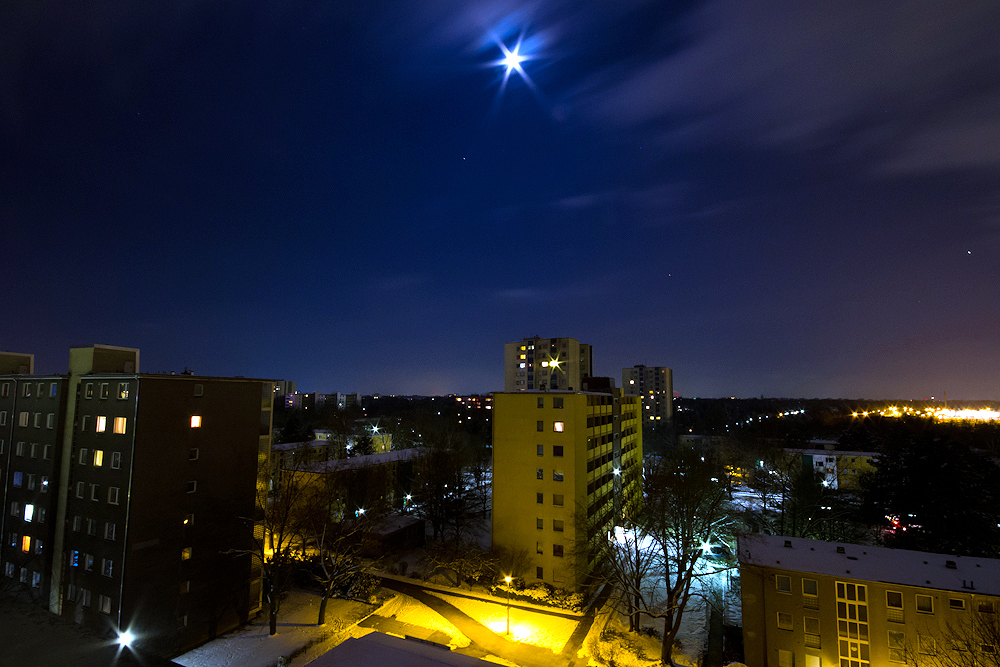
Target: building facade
[[546, 364], [808, 603], [130, 498], [655, 384], [567, 466]]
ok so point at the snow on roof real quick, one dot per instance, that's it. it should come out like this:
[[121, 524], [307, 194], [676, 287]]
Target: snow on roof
[[353, 463], [890, 566], [831, 452], [378, 650]]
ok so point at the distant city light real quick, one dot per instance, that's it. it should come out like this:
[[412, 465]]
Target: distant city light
[[126, 638], [937, 414]]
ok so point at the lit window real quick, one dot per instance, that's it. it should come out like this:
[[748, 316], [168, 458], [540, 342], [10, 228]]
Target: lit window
[[186, 553], [18, 475], [189, 520], [98, 457], [523, 364], [102, 424], [557, 427], [524, 356], [29, 512], [122, 390], [53, 390], [195, 421], [26, 543], [89, 390], [119, 426], [104, 390]]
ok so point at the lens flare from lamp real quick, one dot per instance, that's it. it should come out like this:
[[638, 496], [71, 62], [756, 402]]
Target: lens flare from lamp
[[126, 638]]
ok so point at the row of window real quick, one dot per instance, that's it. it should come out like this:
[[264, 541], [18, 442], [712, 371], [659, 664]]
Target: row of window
[[36, 577], [923, 604], [557, 499], [557, 450], [557, 549], [26, 543], [557, 525], [557, 475], [32, 450], [30, 514], [110, 528], [95, 458], [20, 479], [26, 389], [24, 418], [119, 424], [104, 389], [82, 595], [81, 492], [86, 561], [557, 427]]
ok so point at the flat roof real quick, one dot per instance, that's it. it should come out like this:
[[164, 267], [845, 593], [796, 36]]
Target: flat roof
[[980, 576], [830, 452], [356, 462]]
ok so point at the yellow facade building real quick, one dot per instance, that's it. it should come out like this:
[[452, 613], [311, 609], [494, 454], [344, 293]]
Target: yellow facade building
[[808, 603], [566, 467]]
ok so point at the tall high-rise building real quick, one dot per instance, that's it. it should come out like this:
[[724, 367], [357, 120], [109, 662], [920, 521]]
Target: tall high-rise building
[[129, 498], [567, 466], [546, 363], [655, 384]]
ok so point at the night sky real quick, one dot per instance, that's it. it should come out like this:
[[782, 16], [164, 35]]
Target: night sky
[[770, 197]]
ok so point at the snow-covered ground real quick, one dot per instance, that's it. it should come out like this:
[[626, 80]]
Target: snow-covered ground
[[539, 629], [407, 610], [298, 634]]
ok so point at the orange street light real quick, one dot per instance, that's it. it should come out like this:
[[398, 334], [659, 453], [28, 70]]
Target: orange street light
[[508, 580]]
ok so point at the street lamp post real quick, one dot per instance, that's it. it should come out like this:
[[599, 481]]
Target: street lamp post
[[508, 580]]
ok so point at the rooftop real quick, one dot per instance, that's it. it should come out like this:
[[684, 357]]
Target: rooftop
[[890, 566]]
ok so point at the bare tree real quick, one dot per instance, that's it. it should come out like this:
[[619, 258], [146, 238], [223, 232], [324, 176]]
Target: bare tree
[[972, 641], [685, 508]]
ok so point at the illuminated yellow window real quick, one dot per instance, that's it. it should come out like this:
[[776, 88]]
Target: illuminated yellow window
[[524, 356], [26, 543], [195, 421], [102, 424], [186, 553], [98, 457], [120, 423], [557, 427]]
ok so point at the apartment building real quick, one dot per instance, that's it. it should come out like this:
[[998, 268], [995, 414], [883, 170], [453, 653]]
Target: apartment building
[[547, 364], [815, 604], [567, 466], [838, 469], [130, 498], [655, 384]]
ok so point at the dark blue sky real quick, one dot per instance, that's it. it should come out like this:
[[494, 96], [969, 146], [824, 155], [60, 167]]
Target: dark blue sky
[[769, 197]]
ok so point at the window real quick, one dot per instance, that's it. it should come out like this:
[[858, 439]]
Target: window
[[852, 623], [80, 489], [84, 422], [558, 426], [557, 525], [557, 499], [540, 426], [189, 520], [557, 476], [18, 476], [9, 567], [539, 523], [105, 391], [119, 426], [38, 420], [122, 391], [3, 418], [89, 390], [26, 543], [811, 627], [539, 498], [557, 450], [538, 573], [98, 457], [105, 603], [19, 449], [957, 604], [38, 546], [786, 658], [77, 522], [784, 621], [26, 390], [195, 421], [88, 562], [540, 450], [897, 646], [926, 645], [107, 567], [5, 389], [102, 424], [557, 402], [116, 460], [557, 550], [986, 608], [541, 399], [193, 454], [192, 486], [31, 482], [92, 527], [41, 515], [84, 456], [40, 391], [199, 390], [24, 575], [113, 495], [185, 587], [538, 548], [186, 553], [15, 509], [29, 512], [34, 450], [74, 559], [53, 389], [925, 604], [50, 420], [22, 419], [13, 539], [85, 597], [783, 583], [47, 452], [109, 531], [539, 474], [93, 492], [894, 606]]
